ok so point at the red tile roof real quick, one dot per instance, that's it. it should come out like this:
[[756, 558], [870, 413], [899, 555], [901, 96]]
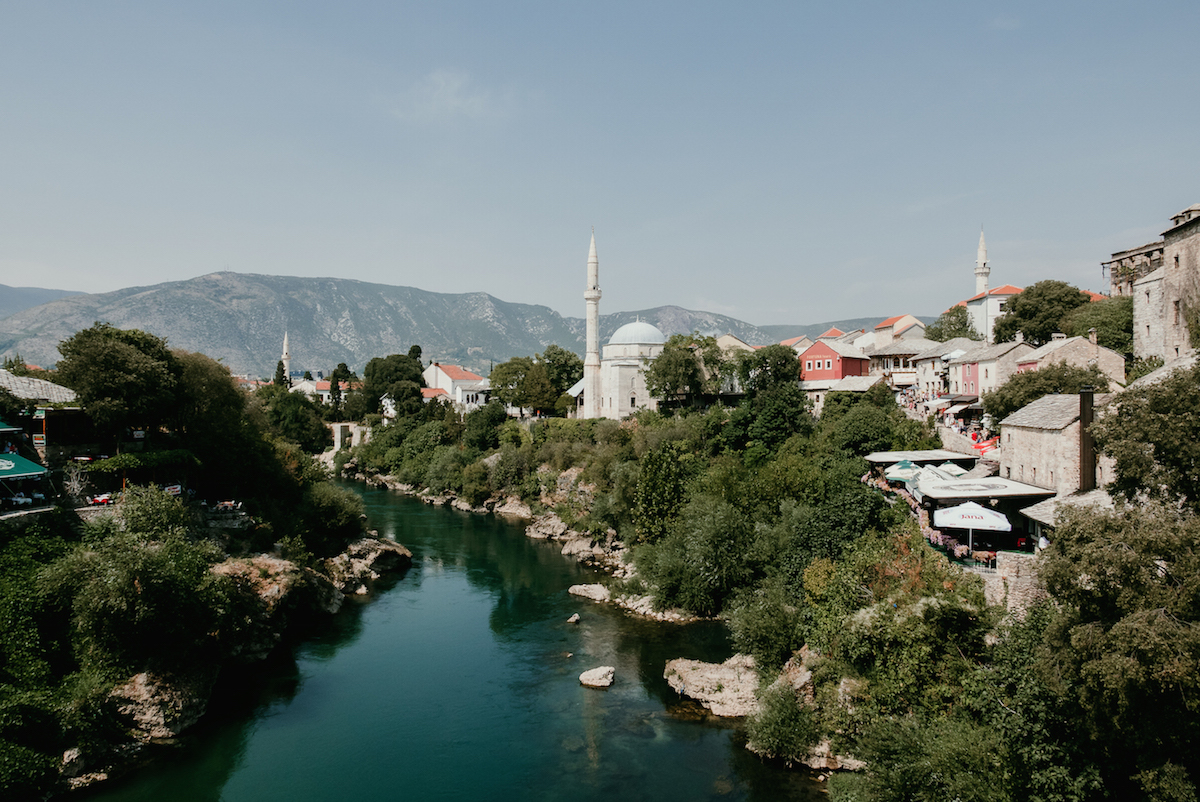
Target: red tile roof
[[1095, 296], [793, 340], [889, 322], [833, 332], [1007, 289], [432, 392], [459, 374]]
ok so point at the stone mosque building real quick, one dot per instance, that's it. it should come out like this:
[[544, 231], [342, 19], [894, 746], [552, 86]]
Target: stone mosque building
[[614, 385]]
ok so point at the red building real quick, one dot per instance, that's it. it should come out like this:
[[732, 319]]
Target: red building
[[830, 360]]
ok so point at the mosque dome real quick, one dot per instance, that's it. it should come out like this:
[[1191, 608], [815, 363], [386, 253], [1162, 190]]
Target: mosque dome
[[638, 333]]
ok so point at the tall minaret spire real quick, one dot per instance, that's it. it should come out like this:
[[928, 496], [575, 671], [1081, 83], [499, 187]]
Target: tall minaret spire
[[981, 267], [591, 359], [286, 358]]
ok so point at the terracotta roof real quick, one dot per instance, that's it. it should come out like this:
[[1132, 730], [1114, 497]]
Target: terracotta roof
[[1095, 296], [833, 332], [793, 340], [891, 321], [1007, 289], [457, 373], [432, 392]]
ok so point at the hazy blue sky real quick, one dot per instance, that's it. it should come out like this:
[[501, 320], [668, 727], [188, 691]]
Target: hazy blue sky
[[779, 162]]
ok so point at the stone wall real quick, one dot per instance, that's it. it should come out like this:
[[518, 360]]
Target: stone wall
[[1014, 583], [1047, 458]]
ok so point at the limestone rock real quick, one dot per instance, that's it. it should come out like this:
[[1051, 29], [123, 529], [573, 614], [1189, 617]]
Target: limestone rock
[[546, 527], [595, 592], [163, 706], [574, 619], [726, 689], [600, 677], [364, 561], [513, 507], [821, 758], [644, 606]]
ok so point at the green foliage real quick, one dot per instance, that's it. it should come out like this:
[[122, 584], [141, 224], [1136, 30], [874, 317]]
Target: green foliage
[[1112, 319], [123, 378], [1127, 637], [1154, 436], [1025, 388], [1039, 312], [295, 417], [784, 727], [399, 375], [702, 560], [768, 369], [563, 367], [916, 760], [954, 322], [661, 491], [482, 431], [281, 378], [134, 602], [1137, 368], [335, 517], [508, 380], [150, 512]]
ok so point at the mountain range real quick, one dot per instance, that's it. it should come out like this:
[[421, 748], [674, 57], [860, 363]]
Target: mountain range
[[240, 319]]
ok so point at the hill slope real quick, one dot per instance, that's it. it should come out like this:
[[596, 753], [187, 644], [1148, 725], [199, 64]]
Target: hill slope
[[240, 319], [16, 299]]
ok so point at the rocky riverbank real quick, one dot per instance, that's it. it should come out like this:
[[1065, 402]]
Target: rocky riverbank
[[275, 596]]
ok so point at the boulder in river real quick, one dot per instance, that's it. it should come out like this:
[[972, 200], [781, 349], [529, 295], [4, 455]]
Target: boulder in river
[[726, 689], [600, 677], [595, 592]]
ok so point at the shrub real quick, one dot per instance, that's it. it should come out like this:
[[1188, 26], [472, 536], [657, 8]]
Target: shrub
[[783, 727]]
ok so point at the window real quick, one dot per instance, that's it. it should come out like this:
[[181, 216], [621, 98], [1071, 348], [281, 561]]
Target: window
[[985, 370], [808, 364], [828, 364], [1177, 313]]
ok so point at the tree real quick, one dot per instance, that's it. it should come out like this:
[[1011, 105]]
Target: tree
[[382, 374], [1039, 311], [1112, 319], [562, 366], [1154, 436], [675, 372], [1025, 388], [508, 378], [281, 377], [123, 377], [537, 392], [769, 368], [339, 374], [295, 417], [954, 322], [1126, 640]]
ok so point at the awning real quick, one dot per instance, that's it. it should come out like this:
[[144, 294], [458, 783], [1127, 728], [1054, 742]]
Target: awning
[[937, 403], [14, 466], [7, 428], [957, 408]]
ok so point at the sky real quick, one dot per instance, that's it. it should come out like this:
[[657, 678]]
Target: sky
[[782, 163]]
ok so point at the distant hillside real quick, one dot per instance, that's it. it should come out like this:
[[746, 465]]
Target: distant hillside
[[17, 299], [240, 319]]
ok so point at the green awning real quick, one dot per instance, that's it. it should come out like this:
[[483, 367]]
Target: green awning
[[6, 427], [13, 466]]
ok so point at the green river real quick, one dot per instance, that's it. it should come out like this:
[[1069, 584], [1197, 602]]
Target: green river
[[460, 681]]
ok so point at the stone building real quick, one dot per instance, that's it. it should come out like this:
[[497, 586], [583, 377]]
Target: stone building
[[1164, 279], [1045, 443], [1079, 352]]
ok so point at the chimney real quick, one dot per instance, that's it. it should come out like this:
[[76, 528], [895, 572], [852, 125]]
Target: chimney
[[1020, 336], [1087, 447]]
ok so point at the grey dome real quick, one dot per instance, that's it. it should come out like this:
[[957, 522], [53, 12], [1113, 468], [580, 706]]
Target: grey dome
[[638, 333]]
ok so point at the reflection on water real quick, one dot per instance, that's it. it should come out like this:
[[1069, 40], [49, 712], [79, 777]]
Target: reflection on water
[[460, 681]]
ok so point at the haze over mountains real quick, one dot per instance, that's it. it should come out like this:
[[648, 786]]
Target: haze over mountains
[[240, 319]]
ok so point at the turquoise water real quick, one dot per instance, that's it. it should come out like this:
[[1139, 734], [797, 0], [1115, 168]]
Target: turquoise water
[[459, 681]]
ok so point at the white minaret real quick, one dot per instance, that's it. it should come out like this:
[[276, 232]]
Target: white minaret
[[286, 358], [591, 360], [981, 267]]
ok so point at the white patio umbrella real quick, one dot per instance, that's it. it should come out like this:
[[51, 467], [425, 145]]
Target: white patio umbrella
[[971, 516]]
